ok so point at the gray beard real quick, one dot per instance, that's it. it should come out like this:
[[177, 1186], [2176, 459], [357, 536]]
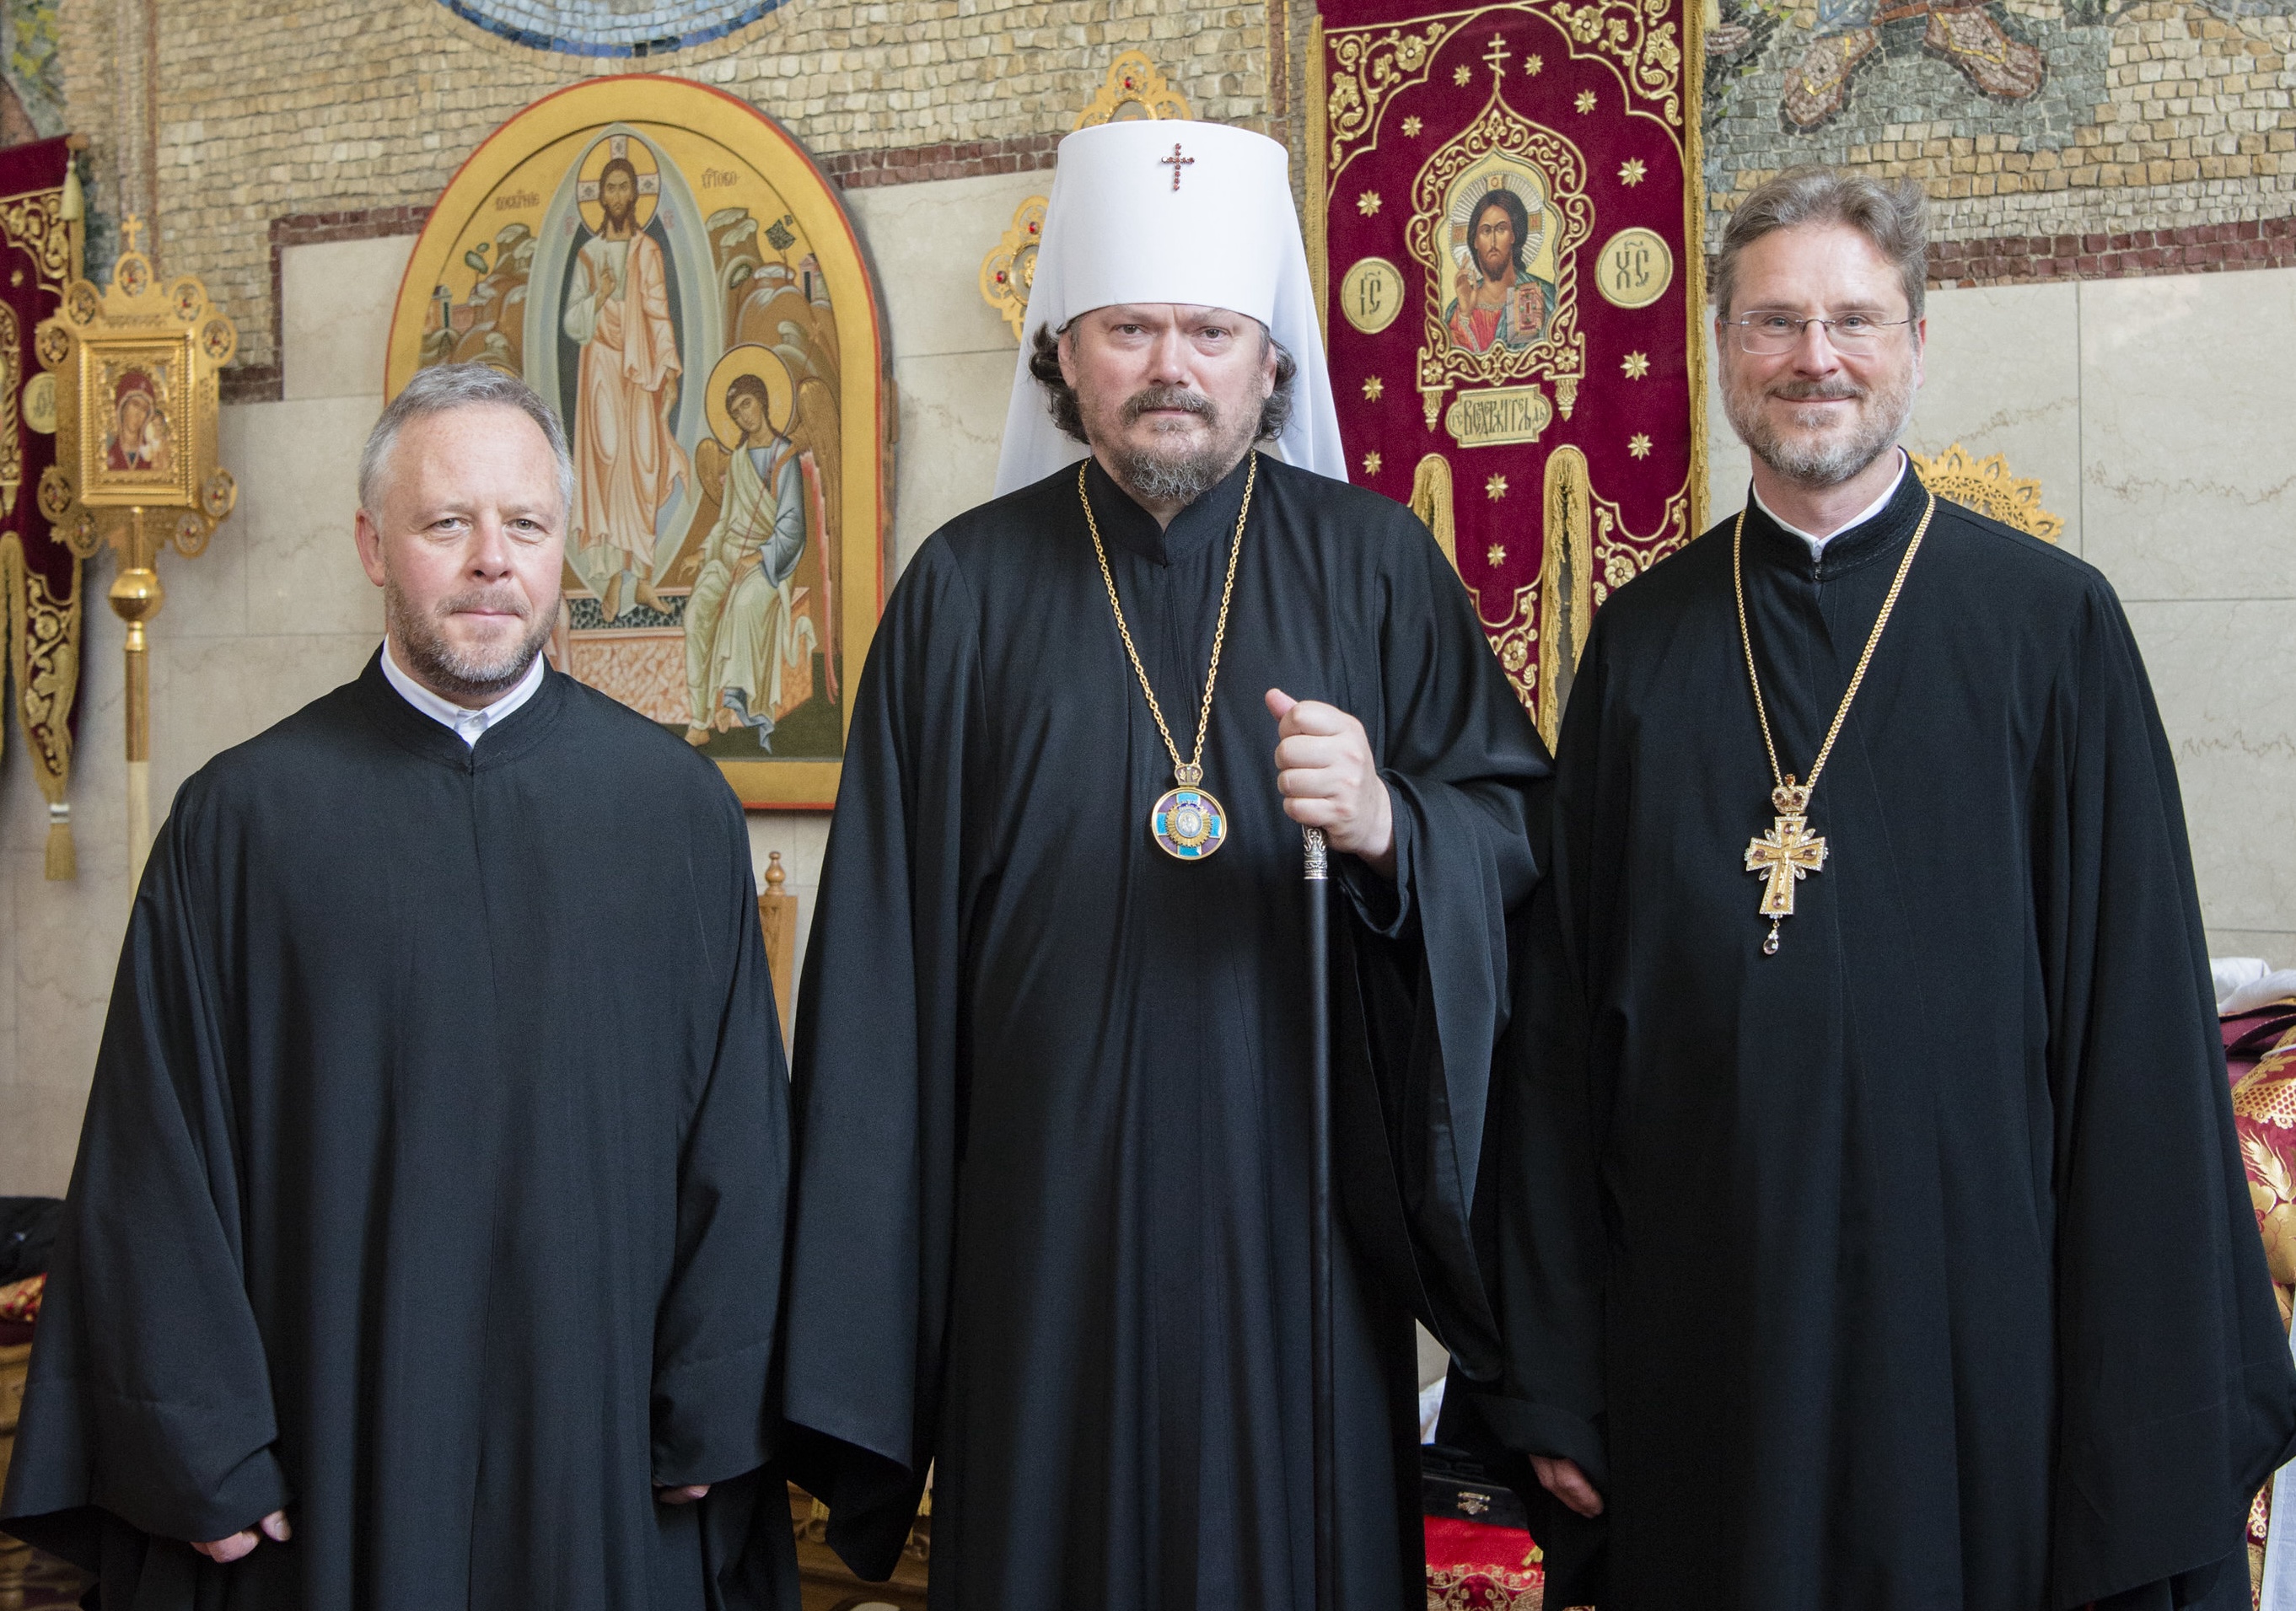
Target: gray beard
[[437, 664], [1823, 462], [1178, 476]]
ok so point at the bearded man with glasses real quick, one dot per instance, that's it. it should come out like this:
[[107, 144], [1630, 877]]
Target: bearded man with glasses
[[1873, 1232]]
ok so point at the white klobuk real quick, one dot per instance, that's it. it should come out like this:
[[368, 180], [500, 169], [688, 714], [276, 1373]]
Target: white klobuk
[[1118, 229]]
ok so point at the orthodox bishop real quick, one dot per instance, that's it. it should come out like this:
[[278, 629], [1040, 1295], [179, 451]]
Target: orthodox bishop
[[1052, 1217]]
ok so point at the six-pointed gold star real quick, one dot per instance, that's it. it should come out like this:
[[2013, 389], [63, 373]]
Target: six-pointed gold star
[[1497, 488], [1638, 445], [1371, 464], [1586, 102], [1367, 203], [1459, 75], [1373, 386], [1497, 554], [1637, 365], [1411, 127], [1631, 171], [1533, 65]]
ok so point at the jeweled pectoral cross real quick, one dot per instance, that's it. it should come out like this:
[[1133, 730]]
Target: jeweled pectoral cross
[[1788, 852], [1176, 162]]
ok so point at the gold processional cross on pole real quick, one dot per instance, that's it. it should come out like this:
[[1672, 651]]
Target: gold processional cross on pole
[[1176, 162], [1788, 852]]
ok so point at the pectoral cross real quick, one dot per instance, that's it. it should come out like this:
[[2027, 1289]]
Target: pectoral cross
[[1176, 162], [1787, 853]]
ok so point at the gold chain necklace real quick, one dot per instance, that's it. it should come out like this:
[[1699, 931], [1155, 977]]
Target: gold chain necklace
[[1186, 821], [1789, 852]]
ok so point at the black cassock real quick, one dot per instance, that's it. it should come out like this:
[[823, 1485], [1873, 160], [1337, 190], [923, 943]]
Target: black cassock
[[1912, 1267], [1051, 1226], [432, 1185]]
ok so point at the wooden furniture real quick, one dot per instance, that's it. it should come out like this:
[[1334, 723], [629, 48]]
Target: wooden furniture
[[825, 1584], [777, 910]]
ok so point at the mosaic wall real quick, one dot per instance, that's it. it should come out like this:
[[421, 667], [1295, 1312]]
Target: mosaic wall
[[609, 28], [2022, 117], [275, 111], [32, 106]]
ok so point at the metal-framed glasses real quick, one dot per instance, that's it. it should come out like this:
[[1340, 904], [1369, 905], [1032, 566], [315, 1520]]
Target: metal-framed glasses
[[1769, 335]]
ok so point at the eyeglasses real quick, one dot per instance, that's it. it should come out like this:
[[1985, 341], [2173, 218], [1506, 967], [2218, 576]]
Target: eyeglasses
[[1771, 335]]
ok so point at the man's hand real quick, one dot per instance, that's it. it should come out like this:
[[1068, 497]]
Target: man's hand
[[1564, 1480], [681, 1496], [1324, 771], [225, 1550]]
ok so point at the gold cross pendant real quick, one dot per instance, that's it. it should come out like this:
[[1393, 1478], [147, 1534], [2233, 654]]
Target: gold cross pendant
[[1788, 852]]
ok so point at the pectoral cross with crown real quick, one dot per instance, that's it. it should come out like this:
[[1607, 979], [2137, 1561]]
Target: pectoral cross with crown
[[1788, 852]]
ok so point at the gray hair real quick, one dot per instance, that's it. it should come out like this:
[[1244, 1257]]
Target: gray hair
[[1893, 216], [443, 388]]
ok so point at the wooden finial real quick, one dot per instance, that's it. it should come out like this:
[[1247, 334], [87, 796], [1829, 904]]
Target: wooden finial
[[775, 877]]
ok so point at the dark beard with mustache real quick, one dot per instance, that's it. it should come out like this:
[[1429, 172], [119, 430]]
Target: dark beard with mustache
[[1181, 477], [1821, 462], [438, 664]]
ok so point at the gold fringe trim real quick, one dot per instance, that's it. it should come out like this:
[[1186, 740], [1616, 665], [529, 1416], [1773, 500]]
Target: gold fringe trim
[[43, 640], [1566, 582], [1431, 501]]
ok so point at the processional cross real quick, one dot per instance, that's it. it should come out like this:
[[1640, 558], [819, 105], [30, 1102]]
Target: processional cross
[[1788, 852], [1176, 162]]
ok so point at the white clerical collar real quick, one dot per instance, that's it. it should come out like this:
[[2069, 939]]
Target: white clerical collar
[[468, 725], [1817, 545]]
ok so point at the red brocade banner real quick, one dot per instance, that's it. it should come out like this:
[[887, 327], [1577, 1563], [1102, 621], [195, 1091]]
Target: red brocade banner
[[39, 578], [1504, 216]]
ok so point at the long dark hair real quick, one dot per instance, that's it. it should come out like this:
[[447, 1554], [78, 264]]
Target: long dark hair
[[1060, 398]]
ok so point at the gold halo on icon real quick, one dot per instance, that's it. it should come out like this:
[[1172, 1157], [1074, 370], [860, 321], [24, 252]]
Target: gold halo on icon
[[640, 157], [749, 359]]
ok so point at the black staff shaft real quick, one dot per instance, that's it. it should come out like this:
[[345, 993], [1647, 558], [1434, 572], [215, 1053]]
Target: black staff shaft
[[1319, 1223]]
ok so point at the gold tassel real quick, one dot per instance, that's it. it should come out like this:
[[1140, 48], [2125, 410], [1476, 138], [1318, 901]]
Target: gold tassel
[[63, 864], [1431, 501]]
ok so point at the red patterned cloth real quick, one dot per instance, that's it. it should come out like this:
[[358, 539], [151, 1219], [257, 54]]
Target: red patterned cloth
[[1474, 1568], [2260, 1058], [20, 1306]]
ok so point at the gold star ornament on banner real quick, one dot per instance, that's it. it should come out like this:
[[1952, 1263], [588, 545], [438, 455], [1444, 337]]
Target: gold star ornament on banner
[[1411, 127], [1533, 65], [1367, 203], [1497, 488], [1371, 464], [1639, 444], [1497, 554], [1637, 365], [1631, 172], [1586, 102], [1373, 386], [1459, 75]]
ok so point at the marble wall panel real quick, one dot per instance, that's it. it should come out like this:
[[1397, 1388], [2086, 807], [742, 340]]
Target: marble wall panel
[[951, 419], [2188, 387], [2221, 670], [295, 517], [926, 242], [335, 302]]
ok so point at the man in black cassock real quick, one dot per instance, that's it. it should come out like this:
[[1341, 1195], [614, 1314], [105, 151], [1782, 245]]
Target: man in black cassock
[[1052, 1219], [425, 1239], [1872, 1232]]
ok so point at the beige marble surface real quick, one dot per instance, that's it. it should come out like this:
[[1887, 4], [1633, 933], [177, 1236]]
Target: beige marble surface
[[2188, 434], [335, 302]]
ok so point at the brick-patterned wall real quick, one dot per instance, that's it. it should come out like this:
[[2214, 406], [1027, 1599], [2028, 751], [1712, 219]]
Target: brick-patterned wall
[[275, 109]]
